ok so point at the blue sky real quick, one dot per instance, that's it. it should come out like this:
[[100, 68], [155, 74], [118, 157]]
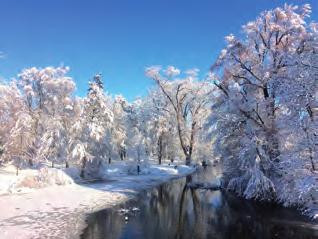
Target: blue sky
[[120, 37]]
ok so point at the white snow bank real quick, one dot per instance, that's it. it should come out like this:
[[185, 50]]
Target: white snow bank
[[31, 179], [59, 211], [7, 178], [120, 169], [169, 169]]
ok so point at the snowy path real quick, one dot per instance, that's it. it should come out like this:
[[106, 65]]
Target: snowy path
[[59, 211]]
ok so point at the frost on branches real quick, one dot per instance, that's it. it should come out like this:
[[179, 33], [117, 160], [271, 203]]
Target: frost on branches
[[43, 124], [41, 105], [186, 100], [265, 108]]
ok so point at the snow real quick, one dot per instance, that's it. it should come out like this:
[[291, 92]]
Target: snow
[[256, 112], [30, 179], [59, 211]]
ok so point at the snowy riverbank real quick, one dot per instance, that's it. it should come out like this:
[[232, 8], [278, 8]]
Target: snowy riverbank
[[59, 211]]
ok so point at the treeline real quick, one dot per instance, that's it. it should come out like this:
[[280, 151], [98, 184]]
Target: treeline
[[43, 122]]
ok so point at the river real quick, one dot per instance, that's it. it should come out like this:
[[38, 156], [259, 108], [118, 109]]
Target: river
[[172, 210]]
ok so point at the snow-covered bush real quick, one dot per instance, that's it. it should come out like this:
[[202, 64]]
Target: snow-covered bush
[[41, 178]]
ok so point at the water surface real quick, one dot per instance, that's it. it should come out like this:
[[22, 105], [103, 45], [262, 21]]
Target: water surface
[[172, 210]]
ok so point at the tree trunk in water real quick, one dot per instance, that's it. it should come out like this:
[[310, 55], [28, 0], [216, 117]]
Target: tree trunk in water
[[67, 164], [180, 216], [52, 164], [109, 160], [30, 162], [83, 167], [17, 172]]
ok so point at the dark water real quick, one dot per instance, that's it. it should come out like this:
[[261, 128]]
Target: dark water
[[174, 211]]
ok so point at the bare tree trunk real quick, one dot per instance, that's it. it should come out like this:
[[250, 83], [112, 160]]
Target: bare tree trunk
[[183, 146], [311, 157], [83, 167], [272, 140], [67, 164], [273, 146], [189, 156], [160, 149], [124, 153], [188, 160]]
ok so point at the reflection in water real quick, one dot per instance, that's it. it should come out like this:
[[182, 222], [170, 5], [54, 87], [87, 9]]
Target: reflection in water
[[175, 211]]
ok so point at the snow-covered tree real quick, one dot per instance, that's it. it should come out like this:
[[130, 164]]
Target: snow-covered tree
[[48, 95], [118, 130], [16, 132], [188, 99], [160, 127], [264, 101], [11, 104], [137, 145], [93, 144]]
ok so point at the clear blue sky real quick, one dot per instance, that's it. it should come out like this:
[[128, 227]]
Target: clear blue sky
[[120, 38]]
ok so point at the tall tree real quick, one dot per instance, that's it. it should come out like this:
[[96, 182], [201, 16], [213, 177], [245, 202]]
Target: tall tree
[[265, 86], [94, 143], [188, 98]]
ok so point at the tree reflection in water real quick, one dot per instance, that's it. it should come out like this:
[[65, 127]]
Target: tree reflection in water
[[173, 210]]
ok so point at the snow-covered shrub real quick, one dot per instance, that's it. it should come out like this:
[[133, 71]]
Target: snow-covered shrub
[[41, 178], [52, 176]]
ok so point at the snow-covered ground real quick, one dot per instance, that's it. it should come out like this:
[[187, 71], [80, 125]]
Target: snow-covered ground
[[59, 211]]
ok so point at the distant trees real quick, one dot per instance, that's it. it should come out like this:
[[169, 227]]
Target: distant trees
[[119, 128], [161, 127], [42, 121]]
